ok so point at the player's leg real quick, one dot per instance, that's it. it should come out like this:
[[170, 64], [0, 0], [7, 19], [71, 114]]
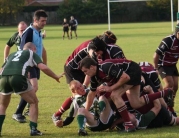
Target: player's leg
[[75, 31], [136, 101], [63, 36], [83, 117], [71, 33], [105, 109], [68, 34], [64, 107], [116, 96], [4, 102]]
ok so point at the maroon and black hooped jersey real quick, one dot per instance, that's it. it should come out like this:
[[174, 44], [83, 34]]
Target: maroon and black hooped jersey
[[109, 71], [113, 52], [81, 52], [78, 54], [148, 68], [168, 51]]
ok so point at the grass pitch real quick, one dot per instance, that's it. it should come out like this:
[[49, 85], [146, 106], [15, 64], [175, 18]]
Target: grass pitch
[[138, 41]]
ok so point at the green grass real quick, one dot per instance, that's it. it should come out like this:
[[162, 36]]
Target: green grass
[[138, 41]]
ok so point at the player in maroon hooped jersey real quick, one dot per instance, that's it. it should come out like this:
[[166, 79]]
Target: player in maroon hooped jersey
[[122, 76], [95, 48], [165, 60]]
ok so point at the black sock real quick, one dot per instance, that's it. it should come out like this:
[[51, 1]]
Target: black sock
[[21, 106]]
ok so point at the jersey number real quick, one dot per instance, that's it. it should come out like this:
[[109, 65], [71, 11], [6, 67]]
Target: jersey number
[[17, 55]]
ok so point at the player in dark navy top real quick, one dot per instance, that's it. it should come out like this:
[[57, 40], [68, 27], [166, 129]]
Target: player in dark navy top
[[73, 23], [33, 34], [165, 60], [122, 76], [65, 28]]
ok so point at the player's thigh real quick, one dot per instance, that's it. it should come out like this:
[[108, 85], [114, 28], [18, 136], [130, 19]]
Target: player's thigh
[[5, 87], [90, 119], [20, 84], [107, 112], [30, 97], [120, 91], [5, 100], [133, 95]]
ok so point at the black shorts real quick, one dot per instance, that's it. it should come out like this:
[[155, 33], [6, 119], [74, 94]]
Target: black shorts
[[134, 73], [163, 118], [101, 126], [168, 71], [73, 74], [155, 79], [74, 28], [34, 73], [65, 29]]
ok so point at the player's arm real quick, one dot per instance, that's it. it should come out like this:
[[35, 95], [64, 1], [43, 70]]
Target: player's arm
[[116, 72], [44, 56], [89, 100], [86, 81], [38, 62], [8, 46], [6, 51], [76, 22]]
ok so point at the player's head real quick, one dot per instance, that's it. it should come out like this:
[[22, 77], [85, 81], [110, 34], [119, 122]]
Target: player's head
[[72, 17], [88, 66], [65, 20], [21, 27], [97, 44], [40, 19], [76, 87], [109, 37], [30, 46], [177, 31]]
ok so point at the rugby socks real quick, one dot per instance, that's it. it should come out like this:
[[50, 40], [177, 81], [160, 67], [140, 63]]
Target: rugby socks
[[2, 117], [151, 97], [125, 116], [65, 106], [21, 106], [33, 125], [81, 119], [102, 105]]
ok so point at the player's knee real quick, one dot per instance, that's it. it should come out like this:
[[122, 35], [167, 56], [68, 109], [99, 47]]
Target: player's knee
[[81, 111]]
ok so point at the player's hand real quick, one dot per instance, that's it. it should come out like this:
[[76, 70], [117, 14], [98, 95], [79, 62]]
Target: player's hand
[[60, 76], [103, 88], [59, 123], [148, 89]]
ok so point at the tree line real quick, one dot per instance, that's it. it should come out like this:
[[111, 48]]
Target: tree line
[[96, 11]]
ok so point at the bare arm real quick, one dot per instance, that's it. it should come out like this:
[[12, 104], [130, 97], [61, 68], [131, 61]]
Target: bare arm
[[6, 51], [49, 72], [44, 56], [156, 59], [123, 79], [86, 81], [90, 98]]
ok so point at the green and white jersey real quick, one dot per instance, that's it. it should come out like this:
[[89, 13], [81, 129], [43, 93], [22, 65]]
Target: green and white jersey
[[18, 63], [15, 39], [79, 101]]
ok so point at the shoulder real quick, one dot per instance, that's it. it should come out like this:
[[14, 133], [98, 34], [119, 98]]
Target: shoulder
[[15, 35]]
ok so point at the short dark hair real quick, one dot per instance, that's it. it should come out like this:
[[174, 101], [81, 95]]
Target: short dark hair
[[87, 62], [40, 13], [97, 44]]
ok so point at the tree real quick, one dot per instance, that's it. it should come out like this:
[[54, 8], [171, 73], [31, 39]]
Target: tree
[[10, 8]]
